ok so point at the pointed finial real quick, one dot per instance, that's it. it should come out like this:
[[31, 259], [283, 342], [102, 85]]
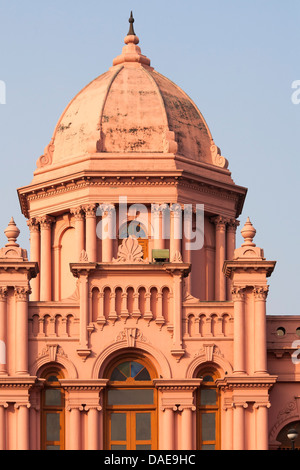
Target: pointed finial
[[248, 233], [131, 29], [12, 232]]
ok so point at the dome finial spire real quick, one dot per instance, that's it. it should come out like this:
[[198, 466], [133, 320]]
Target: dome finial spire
[[131, 29]]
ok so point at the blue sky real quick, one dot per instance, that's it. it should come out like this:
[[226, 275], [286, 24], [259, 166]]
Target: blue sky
[[236, 59]]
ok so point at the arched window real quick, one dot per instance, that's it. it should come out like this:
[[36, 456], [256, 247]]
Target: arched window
[[135, 229], [131, 406], [53, 413], [208, 412]]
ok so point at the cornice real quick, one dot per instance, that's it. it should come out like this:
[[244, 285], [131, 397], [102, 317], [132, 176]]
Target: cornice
[[177, 384], [245, 381], [153, 179]]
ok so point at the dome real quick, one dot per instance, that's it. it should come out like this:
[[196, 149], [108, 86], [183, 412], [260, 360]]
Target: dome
[[131, 108]]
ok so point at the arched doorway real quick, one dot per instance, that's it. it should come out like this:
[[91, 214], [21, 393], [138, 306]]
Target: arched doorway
[[131, 405], [53, 412], [286, 443], [208, 411]]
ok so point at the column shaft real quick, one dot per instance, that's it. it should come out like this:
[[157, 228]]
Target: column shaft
[[91, 235], [187, 429], [3, 330], [168, 443], [46, 262], [239, 330], [260, 295], [93, 429], [23, 427], [21, 330], [262, 427], [2, 428], [79, 230], [176, 230], [239, 427], [220, 280], [35, 242], [74, 437]]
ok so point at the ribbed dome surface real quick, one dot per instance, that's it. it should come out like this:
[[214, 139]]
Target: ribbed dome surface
[[131, 108]]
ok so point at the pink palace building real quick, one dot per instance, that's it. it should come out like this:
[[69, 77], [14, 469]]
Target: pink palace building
[[137, 323]]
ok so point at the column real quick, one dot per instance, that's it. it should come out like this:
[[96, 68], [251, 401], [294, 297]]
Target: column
[[108, 231], [3, 330], [227, 428], [168, 433], [239, 426], [22, 426], [186, 241], [157, 226], [79, 230], [46, 262], [84, 307], [230, 247], [3, 427], [90, 232], [93, 427], [260, 296], [176, 231], [220, 280], [262, 442], [35, 257], [177, 350], [187, 428], [238, 295], [21, 344], [75, 428]]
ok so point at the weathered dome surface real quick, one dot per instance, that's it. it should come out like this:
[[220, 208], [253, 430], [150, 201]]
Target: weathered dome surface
[[131, 108]]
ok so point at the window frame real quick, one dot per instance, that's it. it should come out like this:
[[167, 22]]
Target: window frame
[[208, 409], [52, 409], [131, 409]]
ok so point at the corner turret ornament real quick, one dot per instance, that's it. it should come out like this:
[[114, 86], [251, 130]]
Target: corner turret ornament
[[12, 250]]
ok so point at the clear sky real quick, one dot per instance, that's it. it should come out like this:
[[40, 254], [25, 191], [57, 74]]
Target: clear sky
[[236, 59]]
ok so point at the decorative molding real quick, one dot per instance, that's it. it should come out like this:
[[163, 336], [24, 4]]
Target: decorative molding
[[83, 257], [46, 158], [177, 258], [216, 156], [130, 335], [130, 251]]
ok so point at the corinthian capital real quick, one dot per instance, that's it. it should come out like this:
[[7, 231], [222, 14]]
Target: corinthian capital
[[33, 225], [219, 221], [261, 292], [22, 292], [77, 212], [238, 293], [90, 210], [45, 221]]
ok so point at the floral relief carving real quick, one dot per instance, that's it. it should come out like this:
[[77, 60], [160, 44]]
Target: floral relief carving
[[130, 252]]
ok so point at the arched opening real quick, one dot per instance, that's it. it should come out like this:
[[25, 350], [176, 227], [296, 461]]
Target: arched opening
[[137, 230], [53, 411], [208, 411], [285, 442], [131, 405]]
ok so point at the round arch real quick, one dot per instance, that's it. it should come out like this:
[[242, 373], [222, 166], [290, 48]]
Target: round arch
[[113, 351], [213, 360]]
